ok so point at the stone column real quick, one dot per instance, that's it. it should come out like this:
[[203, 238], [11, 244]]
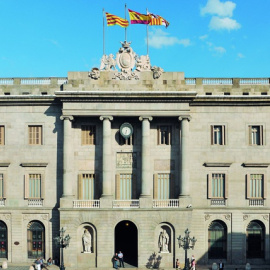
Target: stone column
[[107, 177], [184, 192], [146, 176], [68, 161]]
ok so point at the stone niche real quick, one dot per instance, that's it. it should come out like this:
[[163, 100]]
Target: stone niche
[[86, 258]]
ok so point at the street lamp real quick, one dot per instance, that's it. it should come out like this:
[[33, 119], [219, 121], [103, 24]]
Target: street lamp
[[63, 242], [186, 242]]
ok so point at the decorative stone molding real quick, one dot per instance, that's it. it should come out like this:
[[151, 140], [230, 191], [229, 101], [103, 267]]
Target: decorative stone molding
[[157, 71], [245, 217], [7, 216], [45, 216], [34, 164], [266, 217], [184, 117], [4, 164], [227, 217], [149, 118], [106, 117], [217, 164], [262, 165], [142, 63], [67, 117], [206, 217], [107, 62]]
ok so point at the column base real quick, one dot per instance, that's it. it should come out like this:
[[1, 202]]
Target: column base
[[106, 201], [185, 201], [66, 201], [146, 201]]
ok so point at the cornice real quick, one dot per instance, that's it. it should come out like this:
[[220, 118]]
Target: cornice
[[217, 164], [253, 164], [34, 164]]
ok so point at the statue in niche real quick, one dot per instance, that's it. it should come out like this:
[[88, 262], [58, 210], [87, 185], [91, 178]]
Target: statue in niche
[[163, 241], [87, 241]]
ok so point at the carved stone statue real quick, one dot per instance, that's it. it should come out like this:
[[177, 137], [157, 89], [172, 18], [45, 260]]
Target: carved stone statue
[[163, 241], [87, 241], [142, 63], [94, 73], [157, 71], [108, 62]]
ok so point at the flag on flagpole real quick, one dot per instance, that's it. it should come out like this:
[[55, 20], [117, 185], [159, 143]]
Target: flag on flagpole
[[157, 20], [113, 20], [138, 18]]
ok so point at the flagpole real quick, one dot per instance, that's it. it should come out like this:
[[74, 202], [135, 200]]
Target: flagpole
[[147, 34], [103, 32], [125, 19]]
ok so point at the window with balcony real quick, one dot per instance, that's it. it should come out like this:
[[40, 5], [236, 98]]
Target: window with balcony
[[217, 188], [256, 189], [34, 189], [125, 188], [163, 186], [256, 135], [88, 135], [164, 135], [218, 135], [86, 186], [35, 135]]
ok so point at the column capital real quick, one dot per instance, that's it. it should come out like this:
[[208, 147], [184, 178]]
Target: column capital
[[103, 117], [149, 118], [184, 117], [67, 117]]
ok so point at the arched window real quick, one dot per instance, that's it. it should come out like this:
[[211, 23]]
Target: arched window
[[217, 240], [255, 240], [3, 240], [35, 240]]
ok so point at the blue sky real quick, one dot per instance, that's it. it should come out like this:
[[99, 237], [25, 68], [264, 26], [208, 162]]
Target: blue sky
[[206, 38]]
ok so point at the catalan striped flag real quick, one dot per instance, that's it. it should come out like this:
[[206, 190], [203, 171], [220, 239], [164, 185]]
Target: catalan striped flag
[[157, 20], [138, 18], [113, 20]]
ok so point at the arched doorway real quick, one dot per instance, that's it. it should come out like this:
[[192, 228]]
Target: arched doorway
[[126, 240], [255, 240], [3, 240], [35, 240]]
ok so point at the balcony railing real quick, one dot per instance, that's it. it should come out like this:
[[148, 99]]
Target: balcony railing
[[256, 202], [86, 204], [32, 81], [2, 202], [169, 203], [126, 204], [35, 202], [218, 202]]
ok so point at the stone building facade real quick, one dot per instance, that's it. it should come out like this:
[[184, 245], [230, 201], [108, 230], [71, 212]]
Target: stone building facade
[[195, 155]]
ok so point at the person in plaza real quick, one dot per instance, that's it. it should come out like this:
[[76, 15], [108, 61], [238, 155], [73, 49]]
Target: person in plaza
[[49, 261], [115, 261], [220, 265], [37, 264], [121, 259], [42, 264], [177, 264], [193, 263]]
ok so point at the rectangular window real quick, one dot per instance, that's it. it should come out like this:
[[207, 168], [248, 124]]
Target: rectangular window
[[164, 135], [217, 186], [35, 135], [86, 187], [2, 135], [125, 186], [88, 134], [256, 135], [163, 186], [34, 186], [218, 135], [255, 186]]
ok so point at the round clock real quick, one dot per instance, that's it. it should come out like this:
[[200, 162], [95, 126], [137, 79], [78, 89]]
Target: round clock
[[126, 130]]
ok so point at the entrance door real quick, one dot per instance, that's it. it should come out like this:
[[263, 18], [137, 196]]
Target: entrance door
[[126, 240], [3, 240]]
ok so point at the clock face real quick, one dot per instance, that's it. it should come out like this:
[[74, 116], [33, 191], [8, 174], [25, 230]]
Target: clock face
[[126, 130]]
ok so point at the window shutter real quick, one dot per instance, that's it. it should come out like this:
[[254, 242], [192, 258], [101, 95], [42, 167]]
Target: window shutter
[[169, 135], [4, 186], [117, 186], [226, 186], [248, 186], [42, 186], [264, 187], [155, 186], [134, 186], [80, 187], [209, 185], [172, 185], [261, 135], [223, 135], [212, 135], [250, 134], [95, 186], [2, 135], [26, 186]]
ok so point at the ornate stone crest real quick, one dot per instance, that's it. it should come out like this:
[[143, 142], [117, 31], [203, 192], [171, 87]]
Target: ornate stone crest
[[94, 73]]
